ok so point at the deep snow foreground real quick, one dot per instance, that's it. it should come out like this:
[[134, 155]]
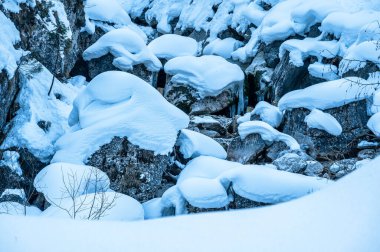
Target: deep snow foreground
[[342, 217]]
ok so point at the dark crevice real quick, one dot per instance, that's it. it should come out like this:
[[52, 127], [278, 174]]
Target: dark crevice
[[80, 68]]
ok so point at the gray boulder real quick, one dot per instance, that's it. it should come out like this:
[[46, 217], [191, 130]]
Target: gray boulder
[[290, 162], [246, 151]]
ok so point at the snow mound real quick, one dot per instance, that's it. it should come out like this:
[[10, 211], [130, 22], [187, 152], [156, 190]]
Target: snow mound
[[208, 74], [61, 181], [262, 184], [268, 113], [324, 121], [40, 120], [128, 48], [108, 206], [169, 46], [299, 50], [193, 144], [328, 94], [323, 71], [374, 124], [267, 133], [119, 104], [222, 47]]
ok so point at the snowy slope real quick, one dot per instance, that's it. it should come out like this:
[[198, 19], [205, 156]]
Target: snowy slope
[[343, 217]]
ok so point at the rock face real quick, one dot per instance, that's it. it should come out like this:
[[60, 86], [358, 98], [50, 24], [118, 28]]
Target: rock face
[[132, 171], [246, 151], [287, 77], [8, 91], [188, 100], [321, 145]]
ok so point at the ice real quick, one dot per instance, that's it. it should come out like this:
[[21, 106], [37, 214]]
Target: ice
[[193, 144], [128, 48], [222, 47], [169, 46], [107, 206], [61, 181], [330, 94], [119, 104], [324, 121], [267, 133]]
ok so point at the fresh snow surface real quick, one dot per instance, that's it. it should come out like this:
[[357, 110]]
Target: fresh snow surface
[[169, 46], [107, 11], [61, 181], [128, 48], [15, 208], [11, 160], [323, 71], [193, 144], [324, 121], [328, 94], [111, 206], [36, 107], [9, 36], [374, 124], [341, 217], [267, 133], [208, 74], [203, 119], [222, 47], [299, 50], [119, 104]]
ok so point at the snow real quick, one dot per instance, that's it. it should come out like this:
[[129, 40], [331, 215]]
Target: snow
[[330, 94], [204, 193], [11, 159], [120, 104], [152, 209], [15, 208], [324, 121], [193, 144], [374, 124], [208, 74], [263, 184], [110, 206], [9, 36], [299, 50], [268, 113], [203, 119], [169, 46], [323, 71], [128, 48], [61, 181], [341, 217], [36, 106], [267, 133], [357, 56], [107, 11], [14, 5], [222, 47], [18, 192]]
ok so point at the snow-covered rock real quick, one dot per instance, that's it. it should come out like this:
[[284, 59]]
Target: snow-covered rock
[[222, 47], [128, 48], [193, 144], [268, 113], [324, 121], [267, 133], [119, 104], [374, 124], [169, 46]]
